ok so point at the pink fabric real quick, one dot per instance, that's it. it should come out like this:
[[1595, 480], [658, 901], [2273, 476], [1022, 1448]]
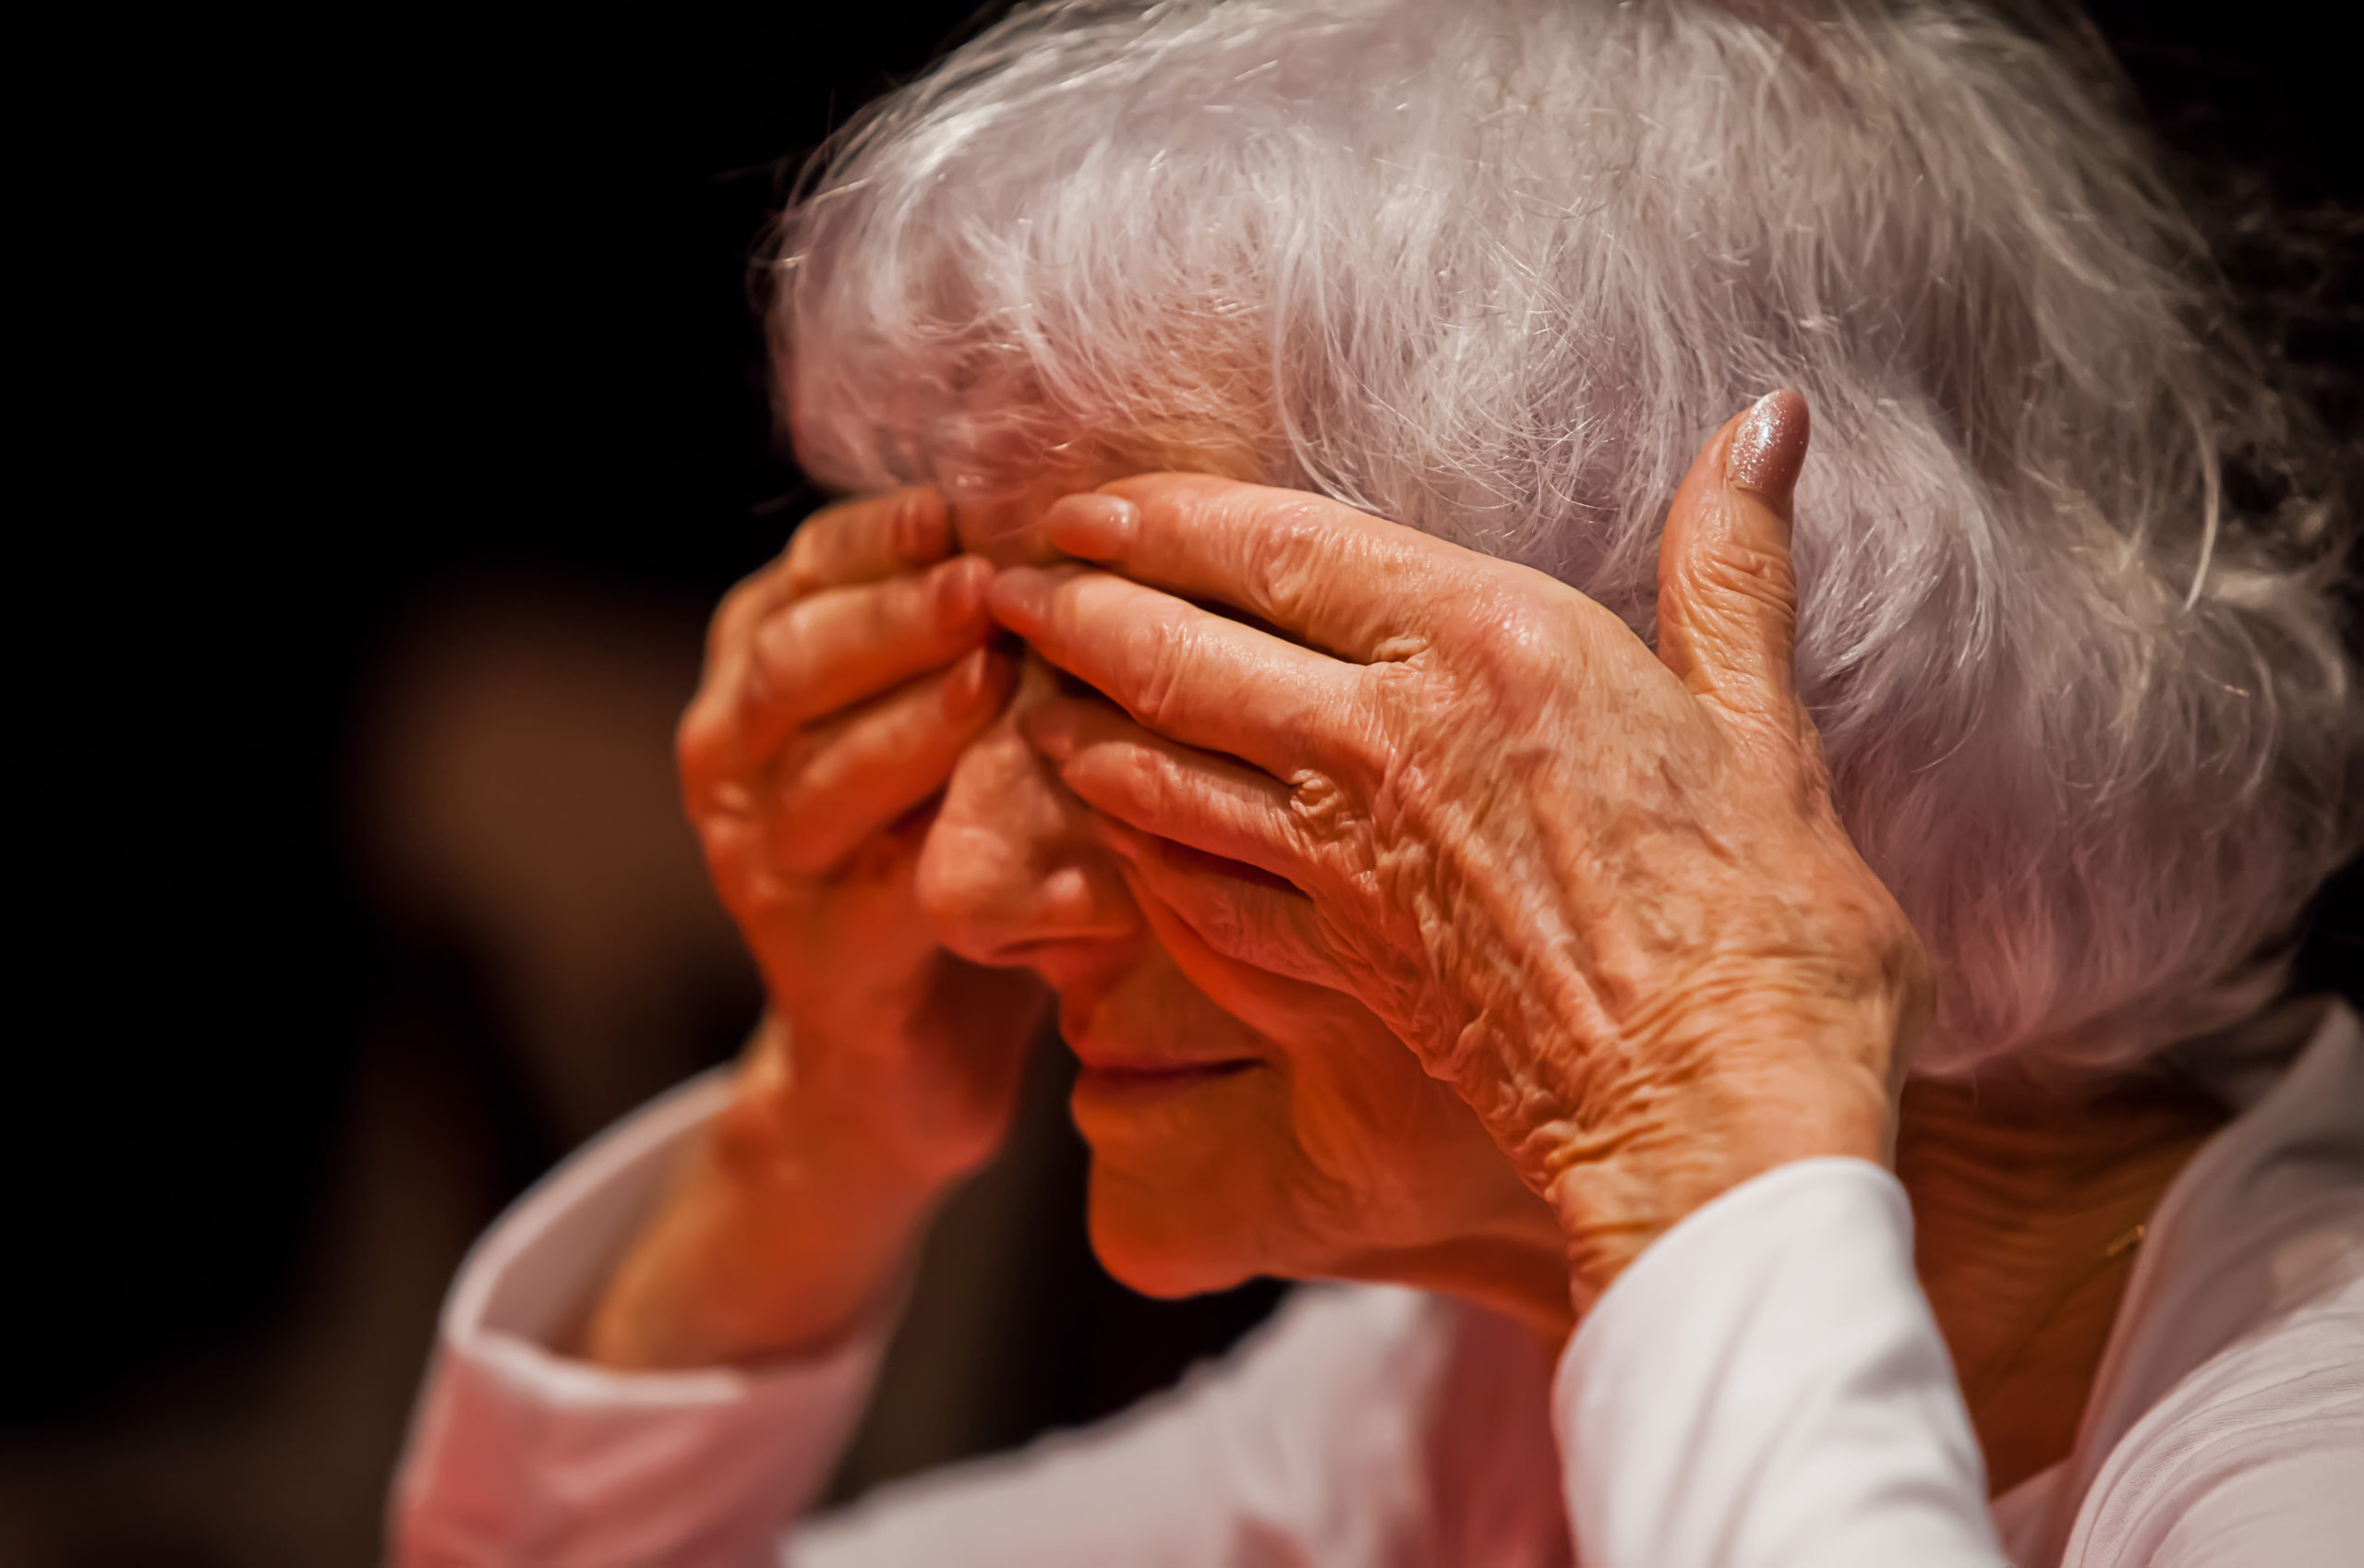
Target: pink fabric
[[1765, 1386], [520, 1454]]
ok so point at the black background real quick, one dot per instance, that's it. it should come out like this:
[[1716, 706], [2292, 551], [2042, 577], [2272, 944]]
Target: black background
[[307, 318]]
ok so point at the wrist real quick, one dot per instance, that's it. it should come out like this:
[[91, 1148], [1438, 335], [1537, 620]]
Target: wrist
[[784, 1224], [1816, 1088], [865, 1102], [796, 1114]]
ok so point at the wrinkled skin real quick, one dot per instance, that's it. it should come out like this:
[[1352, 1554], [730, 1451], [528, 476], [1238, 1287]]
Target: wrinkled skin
[[842, 682], [843, 685], [1242, 1122], [904, 864], [1599, 890]]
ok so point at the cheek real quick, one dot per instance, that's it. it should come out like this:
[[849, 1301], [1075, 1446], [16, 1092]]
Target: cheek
[[1376, 1135], [1340, 1147], [1193, 1188], [1414, 1159]]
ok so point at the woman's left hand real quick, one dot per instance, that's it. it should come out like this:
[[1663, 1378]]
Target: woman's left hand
[[1602, 891]]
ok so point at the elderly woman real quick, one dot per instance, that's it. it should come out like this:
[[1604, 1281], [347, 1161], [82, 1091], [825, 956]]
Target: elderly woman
[[1777, 950]]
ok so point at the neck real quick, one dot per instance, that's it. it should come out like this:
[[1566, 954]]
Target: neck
[[2026, 1205]]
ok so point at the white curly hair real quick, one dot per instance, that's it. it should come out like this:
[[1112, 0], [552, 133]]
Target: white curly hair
[[1493, 267]]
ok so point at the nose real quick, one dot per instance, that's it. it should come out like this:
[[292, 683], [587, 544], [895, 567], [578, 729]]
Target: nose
[[1011, 873]]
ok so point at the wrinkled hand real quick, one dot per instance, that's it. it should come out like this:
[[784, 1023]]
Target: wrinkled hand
[[1603, 892], [841, 684]]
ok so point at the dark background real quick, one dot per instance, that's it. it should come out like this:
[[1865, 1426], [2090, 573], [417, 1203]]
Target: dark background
[[384, 409]]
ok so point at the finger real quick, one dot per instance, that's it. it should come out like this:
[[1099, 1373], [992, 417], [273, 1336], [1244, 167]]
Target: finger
[[1234, 912], [859, 541], [1312, 1015], [1340, 580], [1728, 593], [863, 541], [871, 767], [1166, 790], [843, 645], [730, 648], [1183, 672], [816, 655]]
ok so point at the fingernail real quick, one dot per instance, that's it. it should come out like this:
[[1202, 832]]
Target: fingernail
[[958, 587], [1093, 526], [1019, 600], [964, 689], [1769, 447]]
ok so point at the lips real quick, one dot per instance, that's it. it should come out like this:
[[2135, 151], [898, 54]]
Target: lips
[[1135, 1078], [1137, 1055], [1129, 1073], [1107, 1099], [1132, 1063]]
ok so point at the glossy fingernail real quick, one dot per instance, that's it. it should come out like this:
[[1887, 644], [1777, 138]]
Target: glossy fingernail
[[1020, 599], [1769, 447], [1096, 527]]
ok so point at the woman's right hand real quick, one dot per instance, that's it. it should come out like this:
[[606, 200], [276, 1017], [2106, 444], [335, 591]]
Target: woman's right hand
[[841, 684]]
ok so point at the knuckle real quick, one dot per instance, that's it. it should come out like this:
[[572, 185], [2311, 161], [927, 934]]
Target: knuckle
[[1160, 654], [1290, 565], [1143, 779], [1507, 638], [912, 521], [806, 565], [696, 745], [1761, 577], [731, 616], [777, 659], [735, 603], [902, 608], [1362, 730]]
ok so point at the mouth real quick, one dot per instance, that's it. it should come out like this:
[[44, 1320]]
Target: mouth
[[1116, 1088], [1178, 1072], [1146, 1057], [1136, 1057]]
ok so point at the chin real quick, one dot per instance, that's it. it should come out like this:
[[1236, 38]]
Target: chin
[[1162, 1244]]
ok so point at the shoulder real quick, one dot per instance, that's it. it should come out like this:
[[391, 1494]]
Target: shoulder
[[2255, 1455]]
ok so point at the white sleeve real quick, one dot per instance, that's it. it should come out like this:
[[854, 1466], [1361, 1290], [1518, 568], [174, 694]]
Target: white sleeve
[[1765, 1385], [520, 1454], [1310, 1444]]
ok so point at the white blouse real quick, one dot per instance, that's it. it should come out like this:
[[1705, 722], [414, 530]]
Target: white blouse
[[1764, 1385]]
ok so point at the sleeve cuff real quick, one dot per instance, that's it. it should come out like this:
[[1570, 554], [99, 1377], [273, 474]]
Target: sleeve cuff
[[1765, 1384], [520, 1454]]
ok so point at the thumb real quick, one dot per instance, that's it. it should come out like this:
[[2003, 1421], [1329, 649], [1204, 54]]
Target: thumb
[[1728, 596]]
